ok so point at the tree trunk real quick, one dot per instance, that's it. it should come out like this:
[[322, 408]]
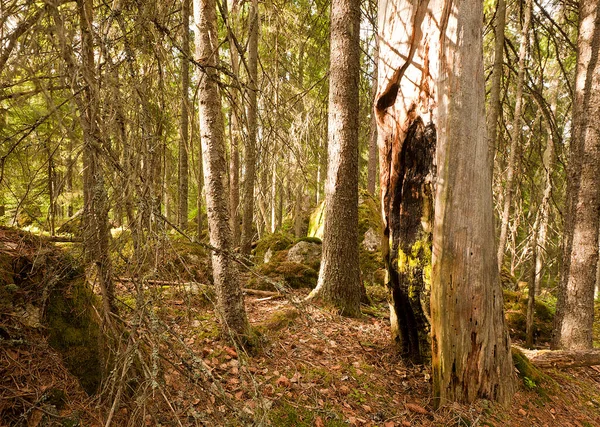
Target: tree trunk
[[183, 185], [471, 355], [97, 232], [495, 105], [515, 137], [339, 278], [235, 136], [373, 158], [575, 305], [230, 301], [407, 139], [252, 111], [548, 161], [562, 358]]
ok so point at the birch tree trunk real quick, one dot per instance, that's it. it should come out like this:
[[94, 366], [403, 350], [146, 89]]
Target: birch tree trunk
[[515, 136], [575, 305], [235, 135], [230, 301], [470, 343], [339, 277], [250, 147]]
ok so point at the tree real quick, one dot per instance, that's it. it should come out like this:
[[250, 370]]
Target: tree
[[575, 306], [339, 276], [230, 301], [183, 186], [470, 344], [250, 147], [516, 133], [407, 138]]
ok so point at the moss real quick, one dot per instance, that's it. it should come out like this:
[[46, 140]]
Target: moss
[[294, 274], [533, 378], [309, 240], [285, 414], [377, 293], [316, 222], [74, 332], [280, 319], [275, 242], [515, 309]]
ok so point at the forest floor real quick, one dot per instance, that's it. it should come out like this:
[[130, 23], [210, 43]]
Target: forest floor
[[311, 367]]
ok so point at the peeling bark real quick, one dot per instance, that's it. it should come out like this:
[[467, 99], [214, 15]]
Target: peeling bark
[[406, 140]]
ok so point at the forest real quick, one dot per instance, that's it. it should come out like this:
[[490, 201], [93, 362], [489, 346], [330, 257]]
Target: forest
[[300, 213]]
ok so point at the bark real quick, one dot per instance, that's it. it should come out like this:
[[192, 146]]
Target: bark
[[549, 163], [373, 157], [562, 358], [407, 138], [470, 344], [575, 305], [339, 277], [183, 183], [230, 301], [95, 218], [515, 136], [298, 211], [250, 146], [497, 71], [235, 137]]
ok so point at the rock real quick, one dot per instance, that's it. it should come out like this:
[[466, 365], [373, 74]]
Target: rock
[[372, 241], [307, 253], [268, 255]]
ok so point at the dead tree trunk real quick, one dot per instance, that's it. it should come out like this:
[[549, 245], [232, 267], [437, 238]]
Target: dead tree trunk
[[406, 139]]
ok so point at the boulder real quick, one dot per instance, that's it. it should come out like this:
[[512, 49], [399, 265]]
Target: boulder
[[371, 241], [307, 253]]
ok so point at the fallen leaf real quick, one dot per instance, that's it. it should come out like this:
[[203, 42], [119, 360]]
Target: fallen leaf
[[522, 412], [389, 424], [406, 423], [283, 381], [416, 408], [319, 422], [344, 389], [231, 351]]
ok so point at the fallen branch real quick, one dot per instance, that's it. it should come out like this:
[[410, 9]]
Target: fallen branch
[[259, 293], [562, 358], [61, 239], [197, 285]]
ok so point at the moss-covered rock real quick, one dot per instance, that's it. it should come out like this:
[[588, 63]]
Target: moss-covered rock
[[274, 242], [306, 253], [369, 221], [515, 310], [38, 277], [293, 274]]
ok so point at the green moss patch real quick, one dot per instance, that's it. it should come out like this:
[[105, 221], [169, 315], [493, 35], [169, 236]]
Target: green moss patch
[[276, 242], [75, 333], [294, 274], [515, 309], [532, 378]]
